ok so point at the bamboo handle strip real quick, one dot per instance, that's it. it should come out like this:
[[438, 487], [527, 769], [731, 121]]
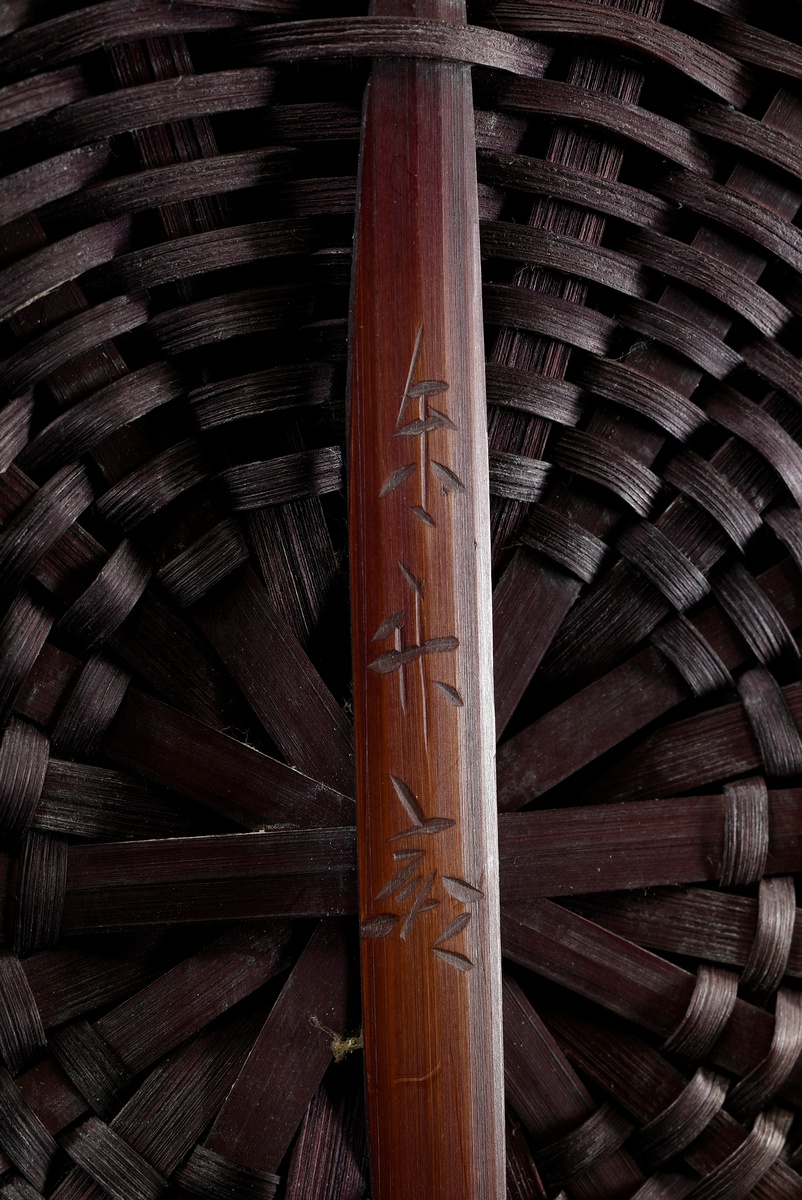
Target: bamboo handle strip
[[423, 702]]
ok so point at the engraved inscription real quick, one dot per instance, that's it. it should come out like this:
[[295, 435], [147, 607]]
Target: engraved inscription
[[406, 652], [451, 694], [453, 959], [393, 660], [422, 903], [420, 823], [417, 888], [388, 626], [413, 581], [378, 927], [461, 890], [415, 885], [456, 926], [404, 876], [429, 419], [396, 479], [449, 479]]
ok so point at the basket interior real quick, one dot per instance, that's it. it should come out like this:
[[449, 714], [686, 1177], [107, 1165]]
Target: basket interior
[[177, 875]]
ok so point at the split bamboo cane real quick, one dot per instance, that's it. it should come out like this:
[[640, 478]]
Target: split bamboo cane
[[421, 641]]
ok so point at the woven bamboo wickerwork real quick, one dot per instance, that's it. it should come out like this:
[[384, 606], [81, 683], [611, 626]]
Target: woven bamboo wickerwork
[[177, 877]]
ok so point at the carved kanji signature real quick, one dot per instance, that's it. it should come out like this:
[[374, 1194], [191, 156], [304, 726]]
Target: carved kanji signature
[[416, 887], [415, 884], [406, 652], [428, 420]]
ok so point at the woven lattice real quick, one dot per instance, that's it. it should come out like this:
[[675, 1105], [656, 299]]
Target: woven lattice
[[176, 786]]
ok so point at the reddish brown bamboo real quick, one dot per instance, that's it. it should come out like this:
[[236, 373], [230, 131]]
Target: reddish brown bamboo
[[422, 654]]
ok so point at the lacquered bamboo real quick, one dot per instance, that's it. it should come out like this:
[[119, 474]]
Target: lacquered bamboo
[[421, 642]]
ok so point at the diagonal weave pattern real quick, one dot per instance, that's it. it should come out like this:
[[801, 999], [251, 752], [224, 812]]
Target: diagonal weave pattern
[[177, 873]]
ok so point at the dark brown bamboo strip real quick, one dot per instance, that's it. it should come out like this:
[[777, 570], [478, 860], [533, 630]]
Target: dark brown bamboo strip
[[555, 1112], [178, 664], [66, 36], [621, 703], [285, 691], [717, 926], [638, 985], [97, 803], [162, 1120], [6, 863], [311, 871], [100, 117], [251, 1132], [187, 756], [24, 628], [720, 744], [301, 873], [536, 585], [72, 980], [718, 72], [163, 1014], [566, 101], [46, 683], [754, 45], [523, 1180], [172, 1008], [47, 1091], [110, 1162], [47, 269], [651, 1085], [70, 338], [534, 176], [421, 629], [330, 1157], [219, 249], [49, 181], [679, 521], [390, 35], [160, 185], [30, 98]]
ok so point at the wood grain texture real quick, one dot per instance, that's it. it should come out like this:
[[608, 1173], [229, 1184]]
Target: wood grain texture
[[422, 654]]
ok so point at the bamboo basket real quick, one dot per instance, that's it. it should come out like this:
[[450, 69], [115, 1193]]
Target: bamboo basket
[[179, 984]]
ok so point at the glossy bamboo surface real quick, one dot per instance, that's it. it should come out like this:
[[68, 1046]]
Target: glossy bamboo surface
[[422, 649]]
